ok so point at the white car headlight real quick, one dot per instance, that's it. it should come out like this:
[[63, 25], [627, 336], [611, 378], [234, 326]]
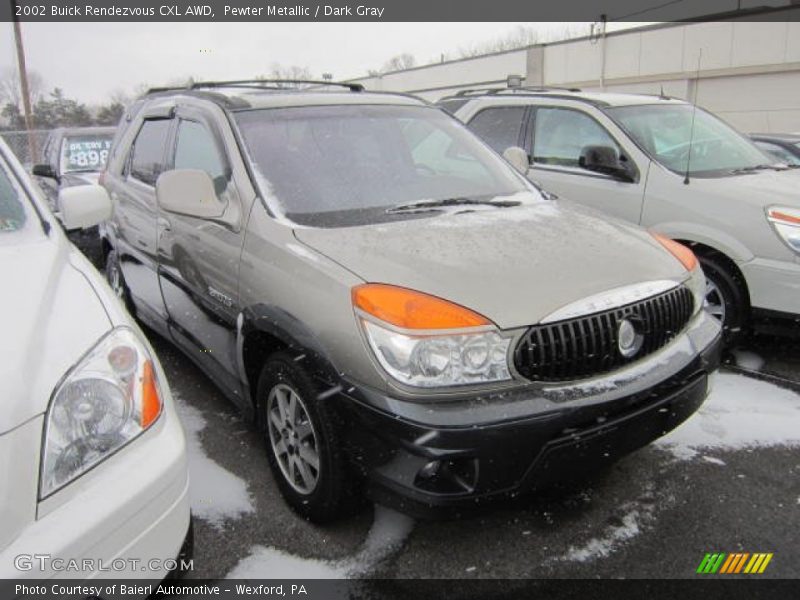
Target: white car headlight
[[111, 396], [424, 341], [786, 222]]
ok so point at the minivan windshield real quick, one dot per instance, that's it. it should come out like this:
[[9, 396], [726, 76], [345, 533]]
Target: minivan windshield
[[335, 166], [14, 210], [665, 131]]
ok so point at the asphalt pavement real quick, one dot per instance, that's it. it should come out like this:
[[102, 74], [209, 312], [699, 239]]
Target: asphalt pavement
[[654, 514]]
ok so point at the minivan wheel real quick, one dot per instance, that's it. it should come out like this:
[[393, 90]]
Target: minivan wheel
[[116, 280], [725, 298], [302, 443]]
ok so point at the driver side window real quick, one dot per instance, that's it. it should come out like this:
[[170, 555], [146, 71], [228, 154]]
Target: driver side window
[[196, 148], [560, 134]]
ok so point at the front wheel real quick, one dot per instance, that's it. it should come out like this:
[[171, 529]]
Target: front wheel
[[116, 280], [725, 297], [303, 448]]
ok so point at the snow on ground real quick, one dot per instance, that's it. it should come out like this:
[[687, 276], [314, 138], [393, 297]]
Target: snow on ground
[[748, 360], [389, 531], [636, 516], [215, 493], [739, 413]]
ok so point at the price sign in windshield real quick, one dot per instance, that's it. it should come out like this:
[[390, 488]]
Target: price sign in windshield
[[85, 154]]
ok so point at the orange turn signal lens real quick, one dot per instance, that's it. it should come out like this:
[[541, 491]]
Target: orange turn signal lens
[[679, 251], [779, 215], [409, 309], [151, 401]]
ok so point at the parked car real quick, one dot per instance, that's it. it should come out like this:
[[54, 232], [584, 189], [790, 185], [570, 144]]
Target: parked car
[[391, 301], [661, 163], [70, 157], [784, 147], [93, 460]]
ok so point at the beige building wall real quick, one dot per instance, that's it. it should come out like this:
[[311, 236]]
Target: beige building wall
[[749, 72]]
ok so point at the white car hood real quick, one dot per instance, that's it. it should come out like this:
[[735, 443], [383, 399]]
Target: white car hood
[[50, 316]]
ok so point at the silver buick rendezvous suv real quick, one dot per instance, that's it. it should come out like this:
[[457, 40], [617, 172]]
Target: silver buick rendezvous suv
[[392, 302]]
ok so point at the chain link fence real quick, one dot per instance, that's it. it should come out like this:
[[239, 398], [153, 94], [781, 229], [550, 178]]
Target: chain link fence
[[18, 142]]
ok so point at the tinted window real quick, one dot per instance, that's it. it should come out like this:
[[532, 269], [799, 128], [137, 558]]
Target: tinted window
[[451, 106], [560, 135], [779, 152], [147, 161], [334, 166], [499, 127], [197, 149]]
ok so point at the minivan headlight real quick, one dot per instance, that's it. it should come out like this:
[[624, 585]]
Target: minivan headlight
[[424, 341], [110, 397], [786, 222]]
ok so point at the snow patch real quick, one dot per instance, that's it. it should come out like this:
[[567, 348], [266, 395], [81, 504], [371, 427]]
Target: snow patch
[[389, 531], [748, 360], [215, 494], [713, 460], [601, 547], [740, 412]]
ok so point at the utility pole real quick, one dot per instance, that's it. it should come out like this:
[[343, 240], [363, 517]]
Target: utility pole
[[23, 80]]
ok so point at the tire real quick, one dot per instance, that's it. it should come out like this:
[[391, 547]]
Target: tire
[[319, 494], [726, 298], [115, 279]]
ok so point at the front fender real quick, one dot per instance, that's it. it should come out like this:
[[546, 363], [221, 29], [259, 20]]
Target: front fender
[[708, 236]]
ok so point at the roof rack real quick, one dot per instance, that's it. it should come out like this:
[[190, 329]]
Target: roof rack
[[257, 84], [523, 88], [276, 83]]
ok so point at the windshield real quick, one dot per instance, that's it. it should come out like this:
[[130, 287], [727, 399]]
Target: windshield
[[15, 215], [85, 152], [664, 131], [332, 166]]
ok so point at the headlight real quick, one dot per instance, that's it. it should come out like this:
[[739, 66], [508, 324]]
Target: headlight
[[110, 397], [786, 222], [424, 341]]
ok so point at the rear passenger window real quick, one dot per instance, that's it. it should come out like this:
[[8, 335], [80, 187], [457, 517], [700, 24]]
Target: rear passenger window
[[147, 161], [499, 127], [561, 134]]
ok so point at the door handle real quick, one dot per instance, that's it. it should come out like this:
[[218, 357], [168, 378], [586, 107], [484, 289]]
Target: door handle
[[164, 224]]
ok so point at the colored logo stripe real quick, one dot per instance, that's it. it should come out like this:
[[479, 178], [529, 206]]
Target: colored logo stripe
[[734, 563]]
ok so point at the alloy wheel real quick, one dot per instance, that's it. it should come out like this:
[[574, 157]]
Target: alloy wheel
[[293, 439], [714, 302]]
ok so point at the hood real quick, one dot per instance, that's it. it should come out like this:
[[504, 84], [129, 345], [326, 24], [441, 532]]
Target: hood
[[50, 317], [80, 178], [514, 265], [759, 189]]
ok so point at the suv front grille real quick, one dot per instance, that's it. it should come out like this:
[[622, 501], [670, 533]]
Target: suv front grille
[[589, 345]]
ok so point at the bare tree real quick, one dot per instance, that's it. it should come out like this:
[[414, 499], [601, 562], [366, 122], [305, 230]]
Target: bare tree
[[10, 91], [399, 63]]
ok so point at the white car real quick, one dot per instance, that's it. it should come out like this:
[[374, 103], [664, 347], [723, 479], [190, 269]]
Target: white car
[[93, 464], [660, 163]]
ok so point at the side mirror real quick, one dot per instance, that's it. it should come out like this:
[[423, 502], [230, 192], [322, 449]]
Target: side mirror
[[189, 192], [84, 206], [606, 160], [44, 171], [518, 158]]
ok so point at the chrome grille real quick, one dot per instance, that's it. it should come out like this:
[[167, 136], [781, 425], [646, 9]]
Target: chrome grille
[[588, 345]]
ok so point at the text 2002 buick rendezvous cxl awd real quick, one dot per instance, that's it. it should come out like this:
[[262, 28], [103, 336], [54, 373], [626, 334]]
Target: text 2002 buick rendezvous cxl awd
[[391, 300]]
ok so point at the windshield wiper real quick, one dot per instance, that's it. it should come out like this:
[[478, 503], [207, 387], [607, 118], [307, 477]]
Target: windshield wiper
[[444, 203], [758, 168]]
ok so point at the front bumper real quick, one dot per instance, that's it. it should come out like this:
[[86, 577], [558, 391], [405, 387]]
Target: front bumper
[[421, 456], [128, 511], [774, 285]]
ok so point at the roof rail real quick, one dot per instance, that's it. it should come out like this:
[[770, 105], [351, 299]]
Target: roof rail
[[524, 88], [265, 83], [258, 84]]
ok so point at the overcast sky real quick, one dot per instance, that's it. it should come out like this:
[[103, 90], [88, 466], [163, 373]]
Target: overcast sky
[[90, 61]]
